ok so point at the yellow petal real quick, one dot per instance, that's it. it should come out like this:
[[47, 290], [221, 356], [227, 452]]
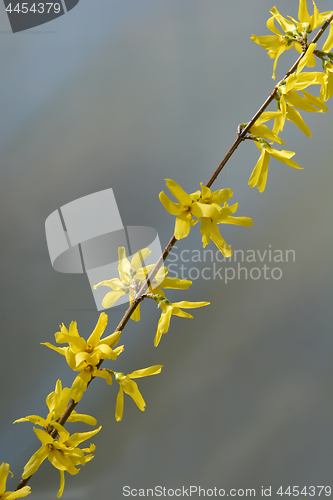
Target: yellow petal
[[271, 26], [78, 437], [80, 385], [266, 116], [120, 404], [62, 462], [290, 83], [285, 24], [220, 243], [294, 116], [278, 122], [178, 192], [114, 283], [34, 419], [328, 45], [176, 283], [315, 101], [136, 314], [111, 297], [112, 340], [131, 388], [257, 169], [145, 372], [182, 226], [98, 330], [105, 352], [34, 462], [262, 179], [279, 52], [238, 221], [205, 228], [284, 157], [12, 495], [164, 321], [182, 314], [307, 58], [139, 257], [4, 471], [299, 102], [221, 195], [60, 350], [76, 342], [170, 206], [303, 14], [200, 210], [104, 374], [190, 305], [81, 417], [264, 132], [62, 484]]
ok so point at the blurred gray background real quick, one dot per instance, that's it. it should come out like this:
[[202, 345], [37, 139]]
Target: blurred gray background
[[124, 94]]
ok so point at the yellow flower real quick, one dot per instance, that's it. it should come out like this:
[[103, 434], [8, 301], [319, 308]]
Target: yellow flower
[[161, 280], [57, 402], [87, 372], [79, 350], [188, 207], [10, 495], [259, 174], [278, 43], [61, 452], [84, 356], [169, 309], [127, 385], [210, 231], [222, 215], [205, 206], [131, 276], [294, 32], [300, 81]]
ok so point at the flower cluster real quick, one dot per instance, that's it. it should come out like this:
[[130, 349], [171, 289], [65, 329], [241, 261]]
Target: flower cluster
[[132, 277], [295, 32], [287, 92], [62, 452], [85, 356], [204, 206]]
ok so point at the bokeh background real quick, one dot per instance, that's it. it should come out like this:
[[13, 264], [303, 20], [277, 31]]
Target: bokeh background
[[124, 94]]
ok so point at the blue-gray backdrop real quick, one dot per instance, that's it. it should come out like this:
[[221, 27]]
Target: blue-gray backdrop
[[124, 94]]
